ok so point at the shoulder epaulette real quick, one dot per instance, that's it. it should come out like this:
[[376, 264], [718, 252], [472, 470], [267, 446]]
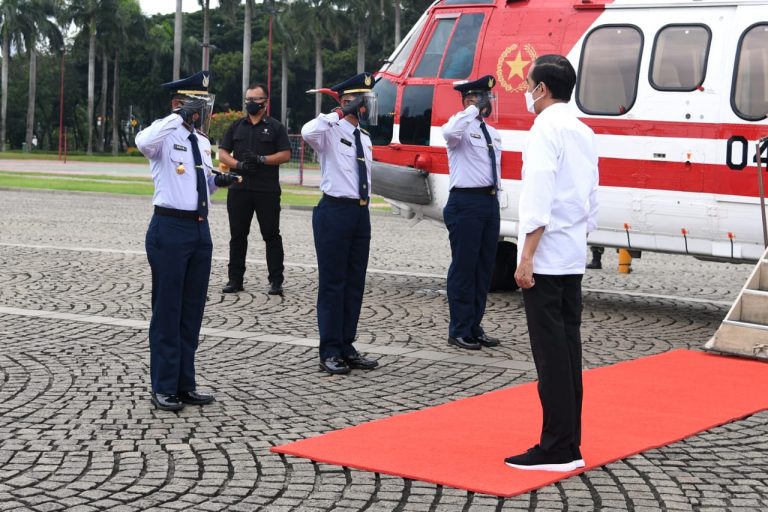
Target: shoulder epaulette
[[365, 131], [201, 133]]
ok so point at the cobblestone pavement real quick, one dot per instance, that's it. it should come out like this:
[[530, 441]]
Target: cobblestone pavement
[[77, 431]]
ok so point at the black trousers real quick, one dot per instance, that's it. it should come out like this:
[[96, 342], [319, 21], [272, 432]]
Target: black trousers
[[473, 230], [342, 232], [553, 310], [179, 253], [241, 205]]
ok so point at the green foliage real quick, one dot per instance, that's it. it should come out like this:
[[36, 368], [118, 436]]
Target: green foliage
[[146, 59], [220, 121]]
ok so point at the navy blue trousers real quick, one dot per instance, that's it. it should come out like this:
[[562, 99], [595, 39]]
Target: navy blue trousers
[[473, 229], [179, 253], [342, 232], [553, 310]]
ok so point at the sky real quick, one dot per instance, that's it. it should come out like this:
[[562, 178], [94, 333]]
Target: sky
[[169, 6]]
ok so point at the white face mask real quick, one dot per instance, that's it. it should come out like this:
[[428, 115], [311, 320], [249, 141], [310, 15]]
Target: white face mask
[[529, 101]]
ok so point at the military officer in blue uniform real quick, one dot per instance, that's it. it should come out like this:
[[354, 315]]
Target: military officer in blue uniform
[[178, 240], [341, 221], [472, 211]]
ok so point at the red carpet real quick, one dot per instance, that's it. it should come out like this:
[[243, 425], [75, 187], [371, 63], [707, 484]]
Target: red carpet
[[628, 407]]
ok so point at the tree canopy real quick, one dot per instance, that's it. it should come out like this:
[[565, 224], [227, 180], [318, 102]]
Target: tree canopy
[[102, 48]]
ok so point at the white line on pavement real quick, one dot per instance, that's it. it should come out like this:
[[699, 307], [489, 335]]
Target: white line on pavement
[[673, 298]]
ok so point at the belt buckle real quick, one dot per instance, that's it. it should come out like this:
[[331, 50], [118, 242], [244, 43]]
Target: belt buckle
[[493, 191], [363, 202]]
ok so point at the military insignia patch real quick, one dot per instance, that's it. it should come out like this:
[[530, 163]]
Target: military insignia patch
[[368, 80]]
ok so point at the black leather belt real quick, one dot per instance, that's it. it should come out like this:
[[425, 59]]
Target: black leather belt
[[345, 200], [476, 190], [182, 214]]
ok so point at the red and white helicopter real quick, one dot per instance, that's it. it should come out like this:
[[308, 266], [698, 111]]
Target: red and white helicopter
[[676, 92]]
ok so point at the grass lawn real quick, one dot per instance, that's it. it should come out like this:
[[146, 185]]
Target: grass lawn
[[293, 195]]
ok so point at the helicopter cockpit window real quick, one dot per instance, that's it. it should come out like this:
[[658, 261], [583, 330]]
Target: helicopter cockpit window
[[386, 93], [609, 70], [433, 54], [749, 97], [679, 60], [460, 56]]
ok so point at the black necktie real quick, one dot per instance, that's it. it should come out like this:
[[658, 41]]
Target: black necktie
[[202, 187], [362, 170], [491, 153]]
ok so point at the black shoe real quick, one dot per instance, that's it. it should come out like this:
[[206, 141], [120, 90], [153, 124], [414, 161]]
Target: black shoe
[[195, 398], [166, 402], [467, 343], [334, 365], [232, 287], [275, 288], [360, 362], [487, 341], [595, 264], [538, 460]]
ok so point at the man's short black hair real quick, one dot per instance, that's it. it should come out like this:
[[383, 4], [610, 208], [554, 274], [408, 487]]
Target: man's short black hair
[[558, 75], [259, 86]]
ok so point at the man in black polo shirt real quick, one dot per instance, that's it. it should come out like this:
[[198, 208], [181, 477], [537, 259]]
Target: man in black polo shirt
[[255, 145]]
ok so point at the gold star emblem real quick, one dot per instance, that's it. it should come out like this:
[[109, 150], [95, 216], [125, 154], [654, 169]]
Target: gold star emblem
[[510, 71], [180, 169], [516, 66]]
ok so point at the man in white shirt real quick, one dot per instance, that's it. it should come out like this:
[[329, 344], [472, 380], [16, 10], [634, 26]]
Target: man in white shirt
[[558, 208]]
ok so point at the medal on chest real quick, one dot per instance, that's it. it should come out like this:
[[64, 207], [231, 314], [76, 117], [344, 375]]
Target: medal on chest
[[180, 169]]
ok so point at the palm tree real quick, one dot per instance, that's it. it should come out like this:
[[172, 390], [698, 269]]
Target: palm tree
[[13, 27], [360, 14], [38, 25], [177, 32], [89, 14], [315, 22], [129, 25]]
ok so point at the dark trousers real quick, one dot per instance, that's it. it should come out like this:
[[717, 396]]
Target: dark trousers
[[241, 205], [553, 311], [473, 230], [179, 253], [342, 231]]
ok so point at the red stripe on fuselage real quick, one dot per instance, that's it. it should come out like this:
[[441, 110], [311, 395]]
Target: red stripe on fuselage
[[614, 172]]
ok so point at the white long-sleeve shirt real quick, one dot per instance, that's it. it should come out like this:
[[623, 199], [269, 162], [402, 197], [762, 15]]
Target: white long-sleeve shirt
[[334, 141], [469, 163], [167, 146], [560, 179]]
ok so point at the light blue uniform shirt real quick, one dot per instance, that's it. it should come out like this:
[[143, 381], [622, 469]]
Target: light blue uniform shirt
[[334, 141], [469, 163], [165, 142]]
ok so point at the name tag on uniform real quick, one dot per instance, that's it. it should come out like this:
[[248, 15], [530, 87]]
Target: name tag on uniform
[[345, 141], [180, 147], [475, 135]]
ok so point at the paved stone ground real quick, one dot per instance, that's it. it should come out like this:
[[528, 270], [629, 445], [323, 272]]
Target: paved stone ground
[[77, 431]]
